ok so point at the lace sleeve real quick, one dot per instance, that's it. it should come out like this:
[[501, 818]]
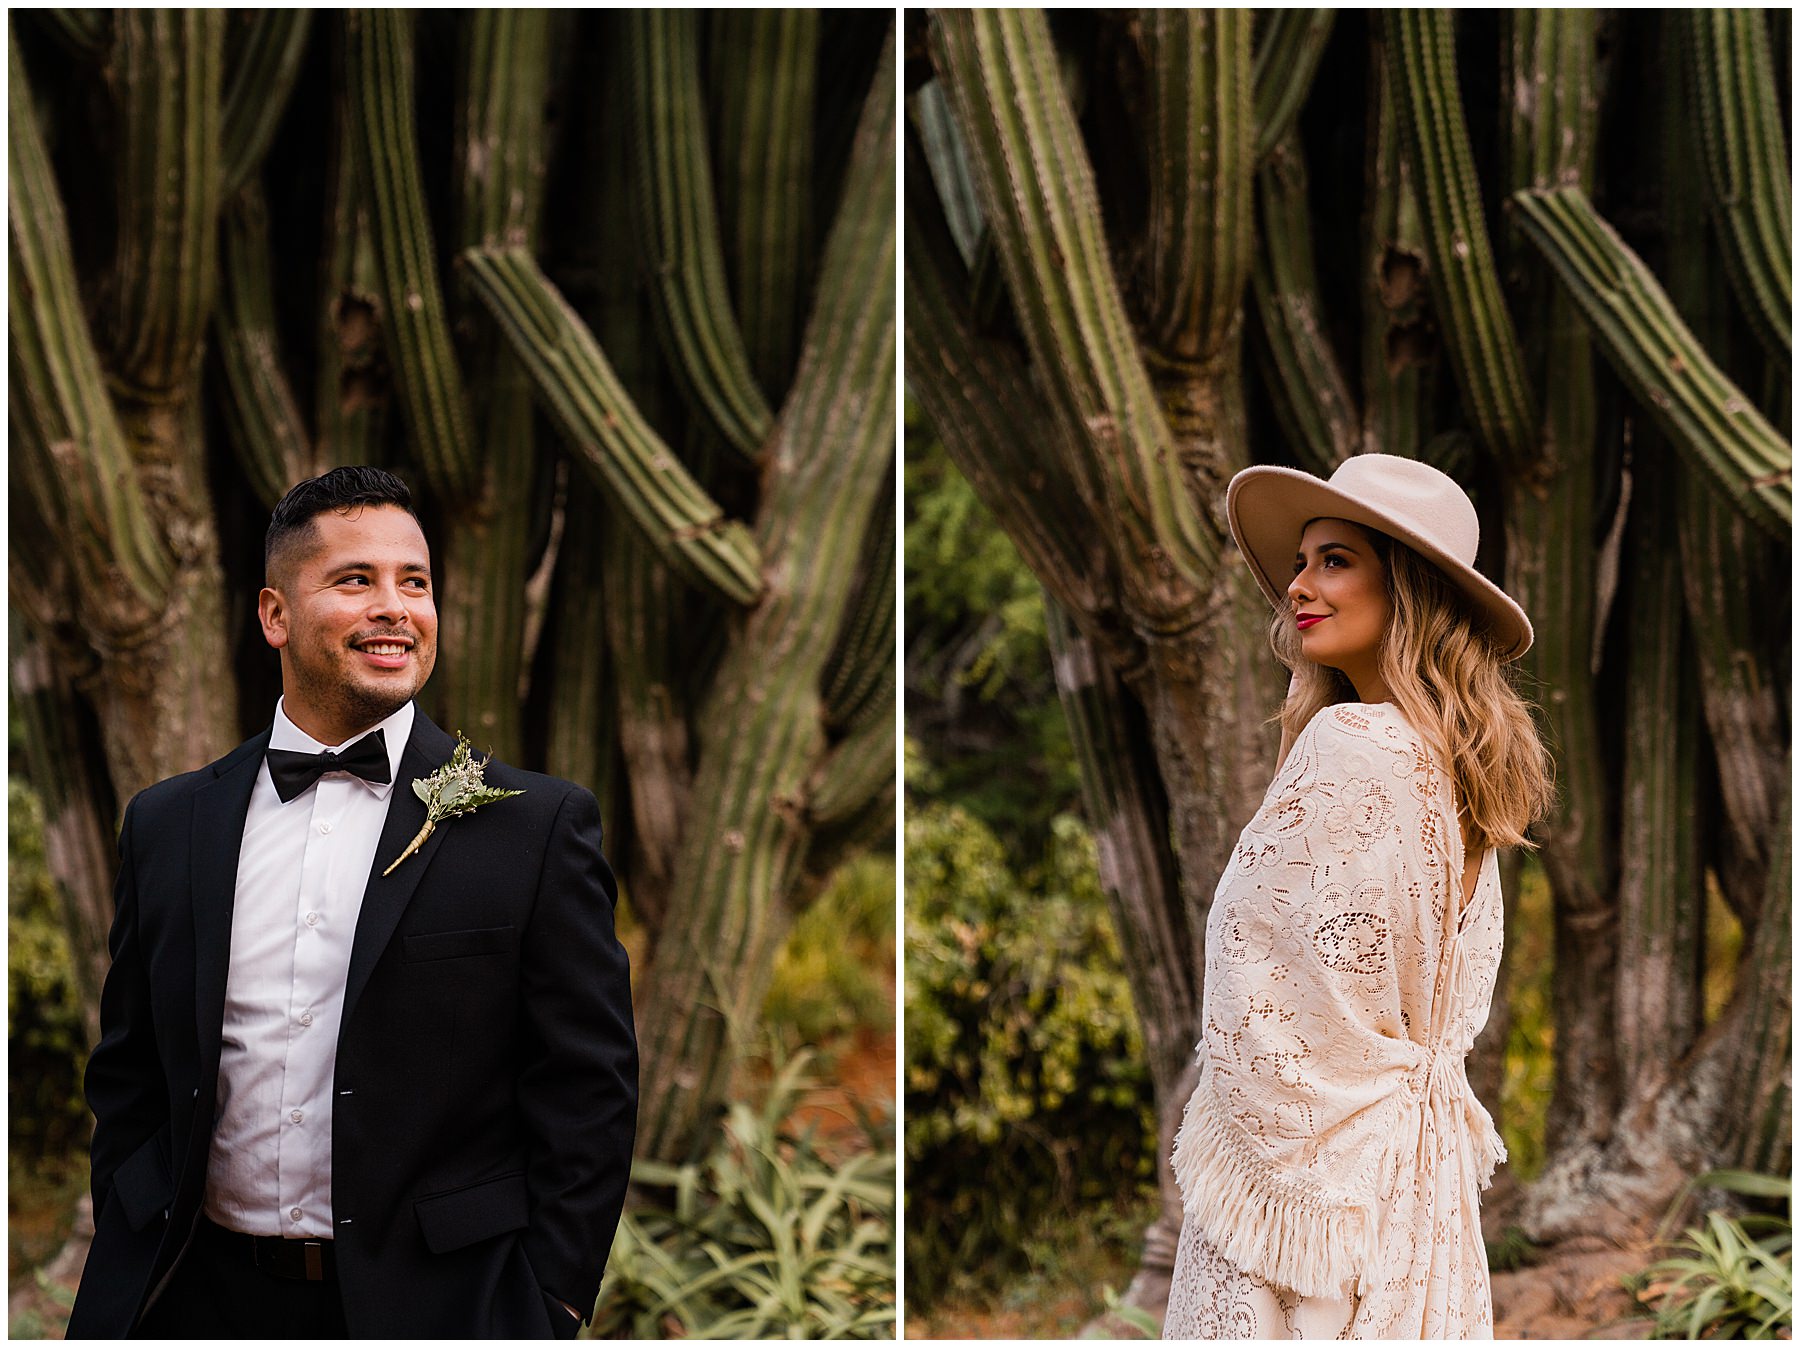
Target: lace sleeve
[[1318, 956]]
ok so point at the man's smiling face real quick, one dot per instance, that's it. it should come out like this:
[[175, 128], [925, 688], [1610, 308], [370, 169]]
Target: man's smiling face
[[350, 607]]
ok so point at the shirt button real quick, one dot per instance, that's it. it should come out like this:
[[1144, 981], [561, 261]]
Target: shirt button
[[306, 1018], [312, 919], [294, 1213], [325, 826], [296, 1116]]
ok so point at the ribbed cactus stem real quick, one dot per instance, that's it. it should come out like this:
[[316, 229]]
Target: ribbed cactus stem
[[379, 78], [1287, 56], [860, 768], [642, 476], [85, 32], [1399, 346], [352, 395], [1038, 193], [503, 64], [1651, 349], [1202, 155], [1311, 396], [500, 133], [70, 451], [977, 395], [1662, 886], [679, 228], [941, 148], [265, 62], [1747, 168], [169, 63], [1484, 348], [861, 667], [263, 422], [767, 63]]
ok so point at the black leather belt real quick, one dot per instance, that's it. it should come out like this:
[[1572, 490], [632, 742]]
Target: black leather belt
[[302, 1260]]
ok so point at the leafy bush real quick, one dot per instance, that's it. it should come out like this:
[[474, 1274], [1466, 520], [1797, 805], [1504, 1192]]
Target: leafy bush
[[763, 1239], [1735, 1279], [1026, 1088], [835, 973], [46, 1037]]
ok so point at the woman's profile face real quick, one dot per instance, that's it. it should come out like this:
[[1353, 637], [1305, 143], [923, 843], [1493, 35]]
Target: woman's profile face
[[1339, 602]]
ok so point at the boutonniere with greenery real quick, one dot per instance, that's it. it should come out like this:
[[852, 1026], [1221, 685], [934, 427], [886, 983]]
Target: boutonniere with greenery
[[456, 788]]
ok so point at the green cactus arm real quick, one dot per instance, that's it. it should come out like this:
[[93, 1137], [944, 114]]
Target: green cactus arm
[[1202, 155], [169, 64], [1747, 171], [1287, 57], [1651, 349], [861, 665], [378, 70], [503, 60], [262, 420], [1399, 346], [940, 148], [859, 769], [1312, 399], [1038, 194], [1465, 287], [70, 451], [678, 227], [86, 33], [766, 62], [978, 396], [503, 83], [642, 476], [351, 395], [265, 64]]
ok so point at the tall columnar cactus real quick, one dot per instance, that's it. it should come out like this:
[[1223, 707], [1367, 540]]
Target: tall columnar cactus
[[1738, 103], [703, 638], [1471, 350]]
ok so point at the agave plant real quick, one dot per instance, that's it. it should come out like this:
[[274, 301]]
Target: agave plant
[[1735, 1276], [765, 1238]]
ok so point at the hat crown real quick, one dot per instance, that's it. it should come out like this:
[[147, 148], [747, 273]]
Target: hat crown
[[1417, 496]]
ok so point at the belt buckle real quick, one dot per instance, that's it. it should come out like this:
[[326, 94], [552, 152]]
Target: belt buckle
[[315, 1261]]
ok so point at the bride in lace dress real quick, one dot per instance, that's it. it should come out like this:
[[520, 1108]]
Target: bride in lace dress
[[1332, 1155]]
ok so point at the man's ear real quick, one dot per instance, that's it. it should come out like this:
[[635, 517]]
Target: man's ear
[[271, 610]]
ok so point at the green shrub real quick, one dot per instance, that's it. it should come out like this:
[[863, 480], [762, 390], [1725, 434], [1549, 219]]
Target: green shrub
[[763, 1239], [46, 1037], [1735, 1277], [835, 973], [1026, 1088]]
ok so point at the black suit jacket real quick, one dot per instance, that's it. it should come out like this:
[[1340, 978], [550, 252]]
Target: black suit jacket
[[485, 1098]]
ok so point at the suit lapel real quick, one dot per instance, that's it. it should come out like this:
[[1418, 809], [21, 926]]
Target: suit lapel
[[220, 809], [385, 897]]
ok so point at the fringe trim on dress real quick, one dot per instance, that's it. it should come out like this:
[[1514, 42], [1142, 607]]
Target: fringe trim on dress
[[1284, 1228]]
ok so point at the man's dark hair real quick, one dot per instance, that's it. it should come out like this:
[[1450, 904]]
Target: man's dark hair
[[340, 490]]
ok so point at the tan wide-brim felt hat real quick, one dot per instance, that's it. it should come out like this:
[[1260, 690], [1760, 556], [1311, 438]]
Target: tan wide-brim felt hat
[[1268, 509]]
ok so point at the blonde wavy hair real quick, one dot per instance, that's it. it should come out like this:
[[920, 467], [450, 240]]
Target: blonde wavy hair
[[1450, 683]]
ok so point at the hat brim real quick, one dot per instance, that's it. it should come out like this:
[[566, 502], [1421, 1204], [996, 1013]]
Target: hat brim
[[1268, 509]]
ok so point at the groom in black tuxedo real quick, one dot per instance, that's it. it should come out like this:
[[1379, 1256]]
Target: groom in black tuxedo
[[333, 1099]]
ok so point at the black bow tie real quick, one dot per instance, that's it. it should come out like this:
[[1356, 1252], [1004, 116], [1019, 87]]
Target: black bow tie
[[293, 771]]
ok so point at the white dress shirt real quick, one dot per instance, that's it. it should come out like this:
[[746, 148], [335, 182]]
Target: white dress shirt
[[301, 872]]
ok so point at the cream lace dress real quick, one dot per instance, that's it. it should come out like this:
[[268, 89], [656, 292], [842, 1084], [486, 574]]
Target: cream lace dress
[[1332, 1155]]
